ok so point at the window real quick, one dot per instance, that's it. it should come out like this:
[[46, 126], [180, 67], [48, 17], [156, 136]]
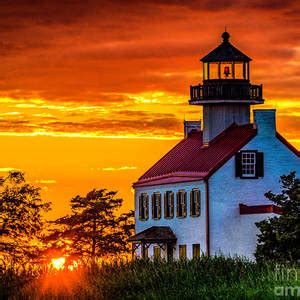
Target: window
[[156, 206], [181, 204], [157, 252], [196, 250], [170, 252], [249, 164], [143, 207], [169, 204], [182, 251], [144, 252], [195, 203]]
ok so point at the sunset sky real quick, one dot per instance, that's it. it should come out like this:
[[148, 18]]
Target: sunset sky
[[92, 93]]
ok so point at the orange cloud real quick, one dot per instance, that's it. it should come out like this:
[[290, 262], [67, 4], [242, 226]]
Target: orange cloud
[[118, 75]]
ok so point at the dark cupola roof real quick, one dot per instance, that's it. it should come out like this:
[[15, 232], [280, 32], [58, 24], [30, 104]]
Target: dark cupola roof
[[225, 52]]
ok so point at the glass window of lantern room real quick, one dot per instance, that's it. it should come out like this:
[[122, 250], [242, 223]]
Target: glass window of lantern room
[[205, 71], [214, 70], [227, 70], [239, 70], [247, 70]]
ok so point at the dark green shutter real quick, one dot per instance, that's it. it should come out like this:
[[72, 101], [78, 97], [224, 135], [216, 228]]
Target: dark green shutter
[[238, 164], [260, 164], [159, 207], [191, 203], [147, 208], [140, 207], [185, 204], [172, 205], [177, 204], [199, 204], [152, 202], [165, 204]]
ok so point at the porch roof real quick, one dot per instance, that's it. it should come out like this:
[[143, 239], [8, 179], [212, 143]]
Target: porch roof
[[155, 234]]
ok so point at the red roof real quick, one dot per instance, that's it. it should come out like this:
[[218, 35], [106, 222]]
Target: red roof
[[189, 160]]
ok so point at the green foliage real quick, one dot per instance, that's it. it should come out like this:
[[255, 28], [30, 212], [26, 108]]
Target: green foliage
[[21, 217], [204, 278], [279, 237], [93, 229]]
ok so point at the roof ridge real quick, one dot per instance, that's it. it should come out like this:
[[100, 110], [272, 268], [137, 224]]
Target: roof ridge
[[287, 143], [222, 133]]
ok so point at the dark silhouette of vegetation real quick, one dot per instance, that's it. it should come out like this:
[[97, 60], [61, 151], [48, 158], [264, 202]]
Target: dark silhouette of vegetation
[[21, 218], [93, 229], [279, 237]]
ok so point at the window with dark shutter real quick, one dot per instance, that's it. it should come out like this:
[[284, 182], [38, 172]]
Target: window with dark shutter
[[195, 203], [181, 204], [143, 207], [156, 205], [169, 204], [249, 164]]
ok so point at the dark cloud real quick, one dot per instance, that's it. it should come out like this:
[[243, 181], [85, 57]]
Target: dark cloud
[[122, 122], [97, 52]]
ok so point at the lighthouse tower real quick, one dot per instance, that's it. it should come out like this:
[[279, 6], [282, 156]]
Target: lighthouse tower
[[226, 92]]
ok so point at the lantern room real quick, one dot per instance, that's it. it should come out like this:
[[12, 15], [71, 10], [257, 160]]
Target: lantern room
[[226, 62], [226, 77]]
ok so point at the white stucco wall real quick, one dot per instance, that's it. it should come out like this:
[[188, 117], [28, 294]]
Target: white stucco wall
[[230, 232], [188, 230]]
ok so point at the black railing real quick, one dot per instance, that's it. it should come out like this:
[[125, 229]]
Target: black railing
[[220, 91]]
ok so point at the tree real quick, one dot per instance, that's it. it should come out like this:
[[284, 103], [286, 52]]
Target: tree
[[93, 228], [21, 217], [279, 237]]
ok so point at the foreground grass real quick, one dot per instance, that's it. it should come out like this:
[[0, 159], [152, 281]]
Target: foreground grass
[[205, 278]]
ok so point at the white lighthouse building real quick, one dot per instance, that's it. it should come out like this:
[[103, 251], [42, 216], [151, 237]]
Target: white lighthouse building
[[205, 195]]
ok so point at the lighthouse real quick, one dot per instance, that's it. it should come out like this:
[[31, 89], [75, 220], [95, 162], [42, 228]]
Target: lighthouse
[[206, 194], [226, 93]]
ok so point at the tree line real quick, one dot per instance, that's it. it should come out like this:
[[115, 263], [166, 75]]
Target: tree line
[[94, 228]]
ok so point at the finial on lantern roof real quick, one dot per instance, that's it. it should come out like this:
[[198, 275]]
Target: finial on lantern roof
[[225, 36]]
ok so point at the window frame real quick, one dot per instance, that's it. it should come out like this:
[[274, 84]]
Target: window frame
[[145, 206], [194, 246], [144, 252], [182, 249], [180, 204], [259, 165], [253, 164], [157, 207], [169, 207], [157, 252], [195, 204]]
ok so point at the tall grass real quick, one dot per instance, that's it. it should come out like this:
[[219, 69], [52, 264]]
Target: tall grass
[[204, 278]]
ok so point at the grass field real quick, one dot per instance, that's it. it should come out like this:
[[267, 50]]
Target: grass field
[[205, 278]]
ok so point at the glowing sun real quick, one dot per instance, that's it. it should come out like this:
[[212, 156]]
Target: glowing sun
[[58, 263]]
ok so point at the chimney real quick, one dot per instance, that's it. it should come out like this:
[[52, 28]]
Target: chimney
[[265, 121], [190, 126]]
